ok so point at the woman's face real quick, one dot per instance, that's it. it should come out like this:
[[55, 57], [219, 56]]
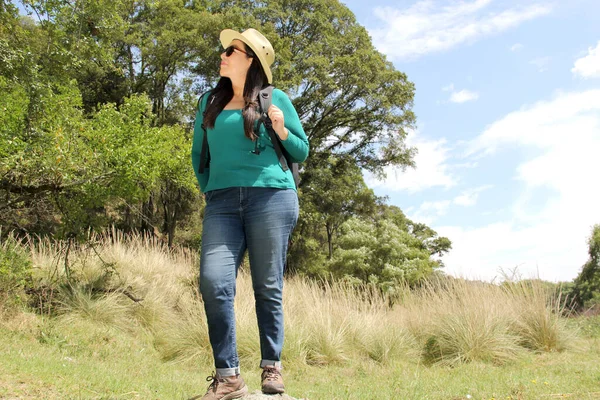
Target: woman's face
[[236, 65]]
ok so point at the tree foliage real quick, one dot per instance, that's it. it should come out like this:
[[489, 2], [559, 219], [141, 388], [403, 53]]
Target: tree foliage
[[71, 166], [586, 287], [98, 101], [346, 196], [381, 253]]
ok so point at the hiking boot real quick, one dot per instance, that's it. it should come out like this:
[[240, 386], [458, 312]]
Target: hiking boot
[[224, 388], [272, 381]]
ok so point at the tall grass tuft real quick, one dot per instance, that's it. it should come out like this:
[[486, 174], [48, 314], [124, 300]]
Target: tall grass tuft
[[539, 323], [144, 289], [107, 309], [458, 321], [183, 336], [470, 336]]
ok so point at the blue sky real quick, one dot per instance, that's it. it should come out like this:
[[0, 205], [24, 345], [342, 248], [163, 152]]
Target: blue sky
[[508, 132]]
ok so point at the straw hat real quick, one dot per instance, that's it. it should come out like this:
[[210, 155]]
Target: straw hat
[[259, 44]]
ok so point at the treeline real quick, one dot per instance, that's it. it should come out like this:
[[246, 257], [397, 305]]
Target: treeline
[[97, 101], [583, 294]]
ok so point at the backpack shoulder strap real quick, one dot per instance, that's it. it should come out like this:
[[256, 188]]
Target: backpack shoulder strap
[[265, 97], [201, 99], [204, 152]]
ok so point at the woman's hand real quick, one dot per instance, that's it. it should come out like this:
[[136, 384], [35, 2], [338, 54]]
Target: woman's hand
[[278, 121]]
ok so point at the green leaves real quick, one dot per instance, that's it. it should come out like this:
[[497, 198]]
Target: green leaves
[[13, 106], [586, 287], [381, 253], [366, 239], [79, 164], [98, 100]]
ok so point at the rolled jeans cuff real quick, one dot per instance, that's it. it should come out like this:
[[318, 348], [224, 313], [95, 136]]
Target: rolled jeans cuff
[[271, 363], [225, 372]]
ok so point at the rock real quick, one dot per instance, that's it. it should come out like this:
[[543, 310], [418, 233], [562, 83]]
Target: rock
[[258, 395]]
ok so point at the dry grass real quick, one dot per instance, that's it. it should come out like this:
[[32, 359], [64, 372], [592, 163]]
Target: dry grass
[[539, 324], [449, 321]]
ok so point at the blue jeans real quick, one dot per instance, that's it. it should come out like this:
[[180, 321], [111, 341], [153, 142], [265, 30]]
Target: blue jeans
[[260, 220]]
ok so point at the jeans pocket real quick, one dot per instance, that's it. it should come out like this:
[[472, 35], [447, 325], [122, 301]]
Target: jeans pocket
[[208, 196], [217, 193]]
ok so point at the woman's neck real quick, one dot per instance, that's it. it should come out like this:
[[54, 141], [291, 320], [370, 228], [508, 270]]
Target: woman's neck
[[238, 90]]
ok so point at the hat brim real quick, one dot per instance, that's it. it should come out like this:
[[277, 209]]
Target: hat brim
[[229, 35]]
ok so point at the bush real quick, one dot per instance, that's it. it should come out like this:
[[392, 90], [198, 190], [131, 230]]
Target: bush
[[539, 324], [15, 266], [15, 274]]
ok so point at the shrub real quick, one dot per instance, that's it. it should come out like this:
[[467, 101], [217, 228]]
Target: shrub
[[539, 323], [468, 336], [15, 266], [459, 321]]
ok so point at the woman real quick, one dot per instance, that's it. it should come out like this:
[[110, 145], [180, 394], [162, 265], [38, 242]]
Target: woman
[[251, 204]]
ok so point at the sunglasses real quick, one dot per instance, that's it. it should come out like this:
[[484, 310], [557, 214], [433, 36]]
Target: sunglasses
[[229, 51]]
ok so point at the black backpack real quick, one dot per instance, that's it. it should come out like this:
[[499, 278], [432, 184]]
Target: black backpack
[[265, 98]]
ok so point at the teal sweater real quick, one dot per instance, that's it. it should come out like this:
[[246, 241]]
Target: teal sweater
[[232, 163]]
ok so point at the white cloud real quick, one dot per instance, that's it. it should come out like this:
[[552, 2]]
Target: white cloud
[[548, 250], [588, 66], [429, 211], [463, 96], [432, 168], [467, 165], [548, 236], [469, 197], [541, 63], [516, 47], [448, 88], [430, 26], [549, 124], [466, 199]]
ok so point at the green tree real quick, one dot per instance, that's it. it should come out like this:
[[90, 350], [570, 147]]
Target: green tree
[[69, 167], [336, 194], [130, 72], [380, 253], [114, 49], [429, 239], [586, 288]]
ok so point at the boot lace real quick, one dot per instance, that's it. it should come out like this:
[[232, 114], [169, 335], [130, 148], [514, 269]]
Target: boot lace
[[213, 386], [214, 383], [271, 374]]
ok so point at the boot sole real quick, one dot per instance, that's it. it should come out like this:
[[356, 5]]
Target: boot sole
[[273, 391], [237, 394]]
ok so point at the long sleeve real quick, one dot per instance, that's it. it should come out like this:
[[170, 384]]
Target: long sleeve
[[296, 143], [234, 161]]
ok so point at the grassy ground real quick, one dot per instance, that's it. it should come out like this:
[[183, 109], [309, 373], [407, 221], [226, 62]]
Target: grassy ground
[[56, 360], [454, 340]]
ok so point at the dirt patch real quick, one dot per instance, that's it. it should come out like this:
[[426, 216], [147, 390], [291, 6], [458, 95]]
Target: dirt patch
[[12, 388]]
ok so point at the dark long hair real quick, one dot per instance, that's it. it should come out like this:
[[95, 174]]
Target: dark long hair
[[223, 93]]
